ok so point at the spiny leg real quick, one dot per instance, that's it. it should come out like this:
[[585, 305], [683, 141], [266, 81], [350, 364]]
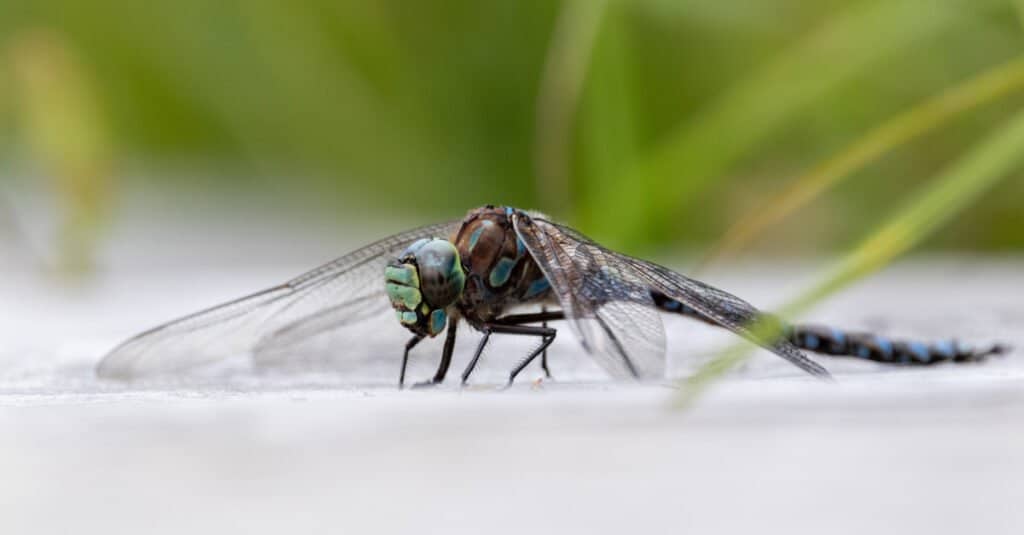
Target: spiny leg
[[476, 356], [547, 335], [501, 325], [405, 358], [543, 317]]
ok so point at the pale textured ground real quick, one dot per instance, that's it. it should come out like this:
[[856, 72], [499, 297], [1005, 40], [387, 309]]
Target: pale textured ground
[[939, 450]]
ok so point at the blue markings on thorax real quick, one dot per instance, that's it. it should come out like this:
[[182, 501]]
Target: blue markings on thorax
[[537, 287], [501, 271], [475, 236], [520, 247]]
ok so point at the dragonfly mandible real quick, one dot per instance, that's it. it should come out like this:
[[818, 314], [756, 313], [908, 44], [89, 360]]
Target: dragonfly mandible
[[478, 271]]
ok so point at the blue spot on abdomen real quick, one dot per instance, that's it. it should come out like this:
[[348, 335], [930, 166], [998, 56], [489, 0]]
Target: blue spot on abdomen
[[884, 345], [838, 337], [947, 349], [919, 350], [811, 341]]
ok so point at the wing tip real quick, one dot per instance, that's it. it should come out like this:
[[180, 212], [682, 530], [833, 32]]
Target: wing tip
[[115, 366], [816, 370], [112, 371]]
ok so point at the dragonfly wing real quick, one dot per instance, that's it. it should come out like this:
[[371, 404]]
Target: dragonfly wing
[[308, 304], [633, 341], [556, 242], [611, 311], [292, 340]]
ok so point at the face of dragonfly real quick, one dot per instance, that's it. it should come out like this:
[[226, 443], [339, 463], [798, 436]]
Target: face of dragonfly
[[423, 282]]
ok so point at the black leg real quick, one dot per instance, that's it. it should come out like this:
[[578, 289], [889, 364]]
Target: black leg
[[543, 317], [446, 354], [405, 358], [544, 355], [476, 356], [520, 319], [547, 335]]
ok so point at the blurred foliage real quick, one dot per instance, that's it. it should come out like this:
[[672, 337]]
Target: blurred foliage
[[943, 199], [63, 128], [883, 139], [665, 120]]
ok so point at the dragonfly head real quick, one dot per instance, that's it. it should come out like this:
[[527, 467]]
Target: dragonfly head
[[423, 282]]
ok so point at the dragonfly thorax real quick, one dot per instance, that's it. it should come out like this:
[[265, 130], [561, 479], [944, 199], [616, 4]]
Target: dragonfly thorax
[[423, 283]]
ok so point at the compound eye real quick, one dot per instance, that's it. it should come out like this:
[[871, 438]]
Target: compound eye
[[441, 275], [414, 247]]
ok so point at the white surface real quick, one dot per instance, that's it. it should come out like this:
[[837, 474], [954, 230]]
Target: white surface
[[938, 450]]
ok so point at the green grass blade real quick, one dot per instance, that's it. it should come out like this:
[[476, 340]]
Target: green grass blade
[[64, 126], [561, 84], [990, 85], [608, 133], [699, 151], [942, 199]]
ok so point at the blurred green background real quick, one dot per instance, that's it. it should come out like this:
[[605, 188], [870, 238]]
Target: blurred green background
[[646, 123]]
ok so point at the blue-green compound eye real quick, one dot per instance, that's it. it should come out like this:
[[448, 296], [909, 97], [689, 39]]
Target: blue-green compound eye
[[440, 272], [416, 245], [438, 318]]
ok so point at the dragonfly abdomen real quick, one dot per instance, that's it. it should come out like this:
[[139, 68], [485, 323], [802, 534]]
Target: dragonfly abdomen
[[832, 341], [838, 342]]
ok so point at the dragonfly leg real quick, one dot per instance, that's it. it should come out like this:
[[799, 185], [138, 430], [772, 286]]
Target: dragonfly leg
[[446, 358], [537, 317], [446, 354], [513, 324], [544, 355], [519, 319], [547, 335], [476, 356], [413, 342]]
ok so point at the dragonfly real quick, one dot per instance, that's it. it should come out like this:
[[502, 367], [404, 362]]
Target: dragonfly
[[482, 271]]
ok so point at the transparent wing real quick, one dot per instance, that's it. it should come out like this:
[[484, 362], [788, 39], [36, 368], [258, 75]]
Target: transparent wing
[[580, 272], [610, 309], [336, 294]]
